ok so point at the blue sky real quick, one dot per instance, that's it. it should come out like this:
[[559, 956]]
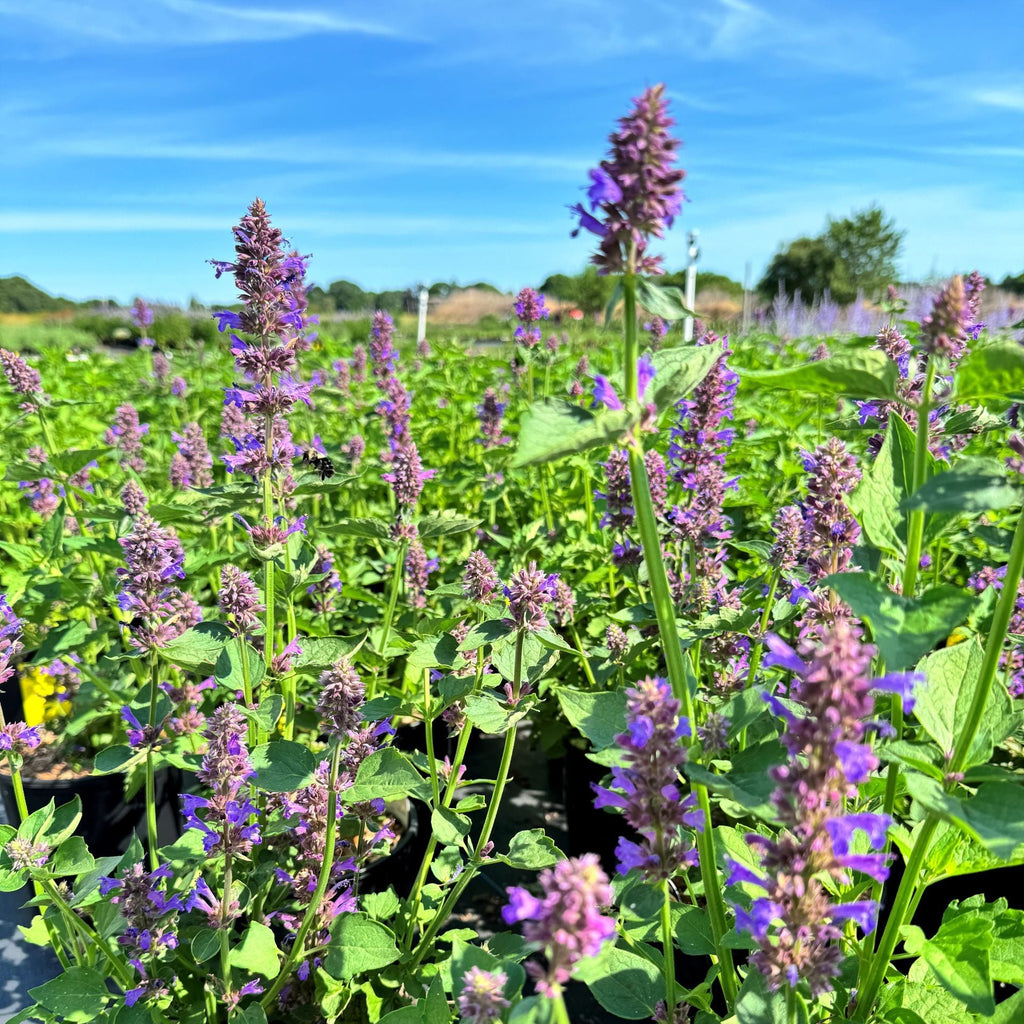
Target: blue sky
[[404, 141]]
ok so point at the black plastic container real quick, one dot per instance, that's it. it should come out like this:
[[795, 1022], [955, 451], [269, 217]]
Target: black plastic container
[[108, 820]]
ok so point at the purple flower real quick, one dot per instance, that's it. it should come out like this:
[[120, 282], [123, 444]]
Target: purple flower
[[490, 413], [142, 315], [239, 598], [636, 189], [944, 329], [565, 923], [323, 590], [618, 495], [528, 591], [341, 698], [417, 572], [605, 394], [481, 1000], [480, 580], [17, 738], [530, 309], [126, 436], [22, 378], [795, 923], [646, 785], [830, 530], [192, 463]]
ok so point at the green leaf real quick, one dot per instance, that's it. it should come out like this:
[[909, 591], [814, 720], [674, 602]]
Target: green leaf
[[487, 633], [756, 1005], [70, 463], [199, 646], [438, 651], [531, 850], [996, 813], [116, 759], [855, 373], [79, 994], [367, 526], [388, 775], [625, 984], [951, 681], [553, 428], [257, 952], [958, 957], [449, 827], [693, 933], [493, 716], [598, 715], [531, 1010], [991, 373], [1006, 954], [60, 640], [229, 668], [446, 523], [972, 485], [73, 857], [679, 370], [321, 652], [51, 537], [903, 628], [877, 502], [665, 300], [205, 944], [465, 956], [358, 945], [283, 765]]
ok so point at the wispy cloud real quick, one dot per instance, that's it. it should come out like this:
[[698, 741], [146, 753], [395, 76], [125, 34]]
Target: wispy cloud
[[189, 22], [1005, 99]]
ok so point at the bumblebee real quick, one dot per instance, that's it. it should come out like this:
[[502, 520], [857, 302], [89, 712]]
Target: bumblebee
[[320, 463]]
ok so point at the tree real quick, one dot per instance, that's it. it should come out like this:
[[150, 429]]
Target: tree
[[865, 247], [854, 254], [590, 291], [805, 268]]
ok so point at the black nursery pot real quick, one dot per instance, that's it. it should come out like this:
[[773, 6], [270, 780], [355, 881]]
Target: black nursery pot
[[108, 820], [590, 830], [398, 869]]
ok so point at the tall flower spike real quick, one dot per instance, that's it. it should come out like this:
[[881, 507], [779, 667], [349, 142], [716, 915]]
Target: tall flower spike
[[528, 591], [635, 193]]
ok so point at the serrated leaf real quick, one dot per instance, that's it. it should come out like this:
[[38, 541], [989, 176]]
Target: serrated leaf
[[665, 300], [625, 984], [79, 994], [958, 957], [531, 850], [553, 428], [446, 523], [321, 652], [367, 526], [199, 646], [358, 945], [598, 715], [855, 373], [387, 775], [449, 827], [283, 766], [679, 370], [972, 485]]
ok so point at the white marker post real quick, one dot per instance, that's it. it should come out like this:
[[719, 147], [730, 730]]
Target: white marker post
[[421, 328], [691, 284]]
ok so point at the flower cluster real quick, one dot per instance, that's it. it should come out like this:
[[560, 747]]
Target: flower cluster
[[565, 923], [530, 310], [830, 530], [126, 436], [635, 191], [1011, 659], [154, 556], [646, 786], [696, 456], [239, 599], [528, 591], [490, 413], [24, 380], [142, 318], [480, 581], [192, 463], [481, 1000], [796, 925]]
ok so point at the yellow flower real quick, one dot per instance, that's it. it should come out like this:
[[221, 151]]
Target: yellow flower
[[39, 697]]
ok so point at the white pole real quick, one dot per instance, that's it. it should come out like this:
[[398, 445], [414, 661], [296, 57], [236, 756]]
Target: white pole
[[691, 284], [421, 329]]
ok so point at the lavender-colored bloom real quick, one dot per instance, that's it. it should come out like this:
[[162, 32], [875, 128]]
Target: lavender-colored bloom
[[565, 923], [490, 412], [239, 599], [617, 643], [43, 495], [896, 347], [192, 464], [656, 329], [323, 591], [696, 455], [140, 735], [126, 436], [528, 591], [795, 924], [636, 189], [26, 853], [354, 449], [657, 480], [646, 785], [142, 315], [417, 573], [788, 529], [17, 738], [944, 329], [480, 581], [619, 513], [179, 387], [341, 698], [161, 367], [530, 309], [133, 499], [359, 364], [481, 1000], [148, 909], [830, 530], [563, 603], [406, 475], [1011, 660], [23, 379]]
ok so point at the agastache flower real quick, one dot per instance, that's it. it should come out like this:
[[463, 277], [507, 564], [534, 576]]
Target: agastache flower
[[481, 1000], [565, 923], [23, 379], [192, 463], [341, 698], [605, 394], [323, 591], [126, 436], [530, 310], [646, 786], [417, 573], [830, 530], [528, 591], [480, 581], [239, 599], [635, 191], [944, 329], [796, 925], [490, 413]]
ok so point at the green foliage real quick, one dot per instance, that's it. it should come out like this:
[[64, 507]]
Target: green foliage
[[588, 290], [20, 296], [853, 254]]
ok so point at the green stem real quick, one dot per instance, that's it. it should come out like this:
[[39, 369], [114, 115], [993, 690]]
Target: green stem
[[915, 522], [668, 950], [323, 879], [874, 973], [389, 615], [485, 832], [664, 608], [584, 660], [151, 833], [559, 1012]]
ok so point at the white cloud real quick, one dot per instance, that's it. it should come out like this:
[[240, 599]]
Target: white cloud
[[1004, 99], [188, 22]]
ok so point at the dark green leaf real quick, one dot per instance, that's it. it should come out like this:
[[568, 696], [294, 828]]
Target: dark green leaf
[[856, 373], [445, 523], [664, 300], [487, 633], [358, 945], [79, 994], [376, 529], [598, 715], [283, 765], [903, 628], [449, 827], [205, 944], [321, 652], [678, 371], [257, 952], [116, 759], [199, 646], [972, 485], [553, 428], [625, 984], [531, 850], [73, 857], [388, 775], [756, 1005]]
